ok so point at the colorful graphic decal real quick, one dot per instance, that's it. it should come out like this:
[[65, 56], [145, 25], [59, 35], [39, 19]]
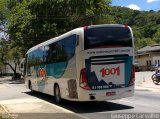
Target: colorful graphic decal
[[108, 74], [56, 70], [42, 73]]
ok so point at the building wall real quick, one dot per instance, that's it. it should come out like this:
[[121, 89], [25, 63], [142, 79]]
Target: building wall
[[6, 70], [156, 58], [146, 60], [143, 59]]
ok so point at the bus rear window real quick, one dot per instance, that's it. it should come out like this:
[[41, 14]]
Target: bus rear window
[[110, 36]]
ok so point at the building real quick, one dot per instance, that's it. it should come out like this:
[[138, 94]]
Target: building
[[148, 56], [7, 71]]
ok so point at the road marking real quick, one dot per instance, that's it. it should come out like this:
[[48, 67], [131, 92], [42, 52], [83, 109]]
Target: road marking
[[126, 101], [147, 89]]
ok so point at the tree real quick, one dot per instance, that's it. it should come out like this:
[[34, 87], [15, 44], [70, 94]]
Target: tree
[[35, 21], [18, 23], [145, 24], [30, 22], [156, 36], [2, 6], [8, 49], [8, 52], [144, 42]]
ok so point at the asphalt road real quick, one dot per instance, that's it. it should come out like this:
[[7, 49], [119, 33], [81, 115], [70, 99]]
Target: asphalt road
[[144, 101]]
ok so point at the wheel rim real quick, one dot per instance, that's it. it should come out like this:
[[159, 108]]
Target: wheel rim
[[155, 81], [154, 78]]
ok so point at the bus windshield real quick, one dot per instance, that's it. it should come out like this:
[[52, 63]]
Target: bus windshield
[[110, 36]]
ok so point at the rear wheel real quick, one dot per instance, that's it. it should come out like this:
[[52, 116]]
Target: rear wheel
[[57, 94], [30, 86]]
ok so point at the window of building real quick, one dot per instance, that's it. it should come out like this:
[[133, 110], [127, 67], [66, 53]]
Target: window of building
[[147, 63], [155, 61]]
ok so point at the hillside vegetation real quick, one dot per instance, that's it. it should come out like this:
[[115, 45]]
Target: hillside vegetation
[[145, 24], [32, 22], [27, 23]]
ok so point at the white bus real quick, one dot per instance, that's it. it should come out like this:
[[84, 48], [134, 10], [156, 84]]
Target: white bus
[[91, 63]]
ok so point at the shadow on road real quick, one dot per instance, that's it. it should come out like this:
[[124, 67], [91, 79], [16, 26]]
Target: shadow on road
[[82, 107]]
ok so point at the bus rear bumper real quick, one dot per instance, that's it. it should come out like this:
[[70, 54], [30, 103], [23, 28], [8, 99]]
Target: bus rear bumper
[[103, 95]]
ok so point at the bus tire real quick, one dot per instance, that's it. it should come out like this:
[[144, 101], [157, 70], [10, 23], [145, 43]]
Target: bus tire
[[30, 86], [57, 94]]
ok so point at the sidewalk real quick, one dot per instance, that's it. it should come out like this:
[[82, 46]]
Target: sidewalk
[[143, 81], [11, 81], [147, 84], [34, 108], [30, 107]]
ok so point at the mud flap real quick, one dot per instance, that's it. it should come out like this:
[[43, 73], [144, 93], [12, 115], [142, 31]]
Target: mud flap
[[72, 88]]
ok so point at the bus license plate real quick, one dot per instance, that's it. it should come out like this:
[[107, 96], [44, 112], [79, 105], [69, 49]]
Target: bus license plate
[[110, 93]]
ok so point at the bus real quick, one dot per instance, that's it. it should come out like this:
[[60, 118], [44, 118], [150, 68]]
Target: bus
[[91, 63]]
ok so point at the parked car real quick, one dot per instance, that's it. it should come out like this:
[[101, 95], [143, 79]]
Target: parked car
[[154, 67]]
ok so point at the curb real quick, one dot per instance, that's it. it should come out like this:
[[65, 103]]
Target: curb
[[14, 115], [5, 110], [147, 88]]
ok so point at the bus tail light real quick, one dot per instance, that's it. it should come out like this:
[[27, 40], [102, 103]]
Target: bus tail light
[[83, 80], [132, 80], [85, 27]]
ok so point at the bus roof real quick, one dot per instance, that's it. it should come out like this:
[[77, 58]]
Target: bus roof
[[52, 40], [69, 33]]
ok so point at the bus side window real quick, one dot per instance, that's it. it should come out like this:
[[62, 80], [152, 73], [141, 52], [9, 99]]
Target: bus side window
[[69, 45], [51, 53]]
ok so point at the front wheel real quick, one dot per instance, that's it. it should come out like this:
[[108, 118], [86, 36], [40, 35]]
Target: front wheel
[[155, 82], [57, 94], [154, 78]]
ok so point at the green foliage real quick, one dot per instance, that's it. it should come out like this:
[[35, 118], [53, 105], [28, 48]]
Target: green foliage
[[8, 52], [2, 6], [1, 117], [2, 14], [145, 24], [32, 22], [18, 24], [144, 42], [156, 36]]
